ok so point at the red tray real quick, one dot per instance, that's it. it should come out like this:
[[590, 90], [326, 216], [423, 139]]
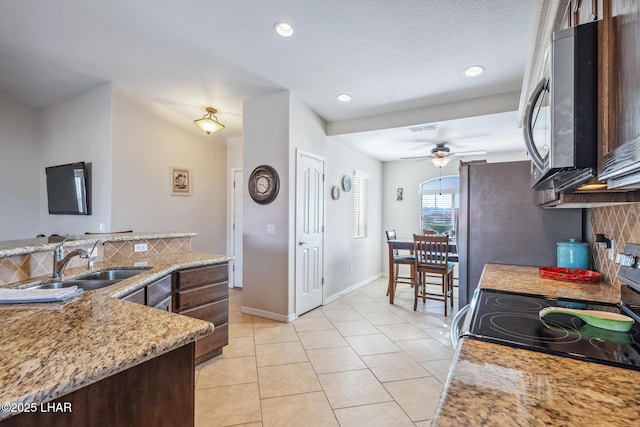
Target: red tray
[[570, 274]]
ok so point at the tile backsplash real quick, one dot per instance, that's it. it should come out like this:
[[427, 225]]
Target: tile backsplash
[[621, 225], [22, 267]]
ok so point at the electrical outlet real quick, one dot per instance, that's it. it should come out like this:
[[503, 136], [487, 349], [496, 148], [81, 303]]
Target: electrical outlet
[[271, 229], [140, 247]]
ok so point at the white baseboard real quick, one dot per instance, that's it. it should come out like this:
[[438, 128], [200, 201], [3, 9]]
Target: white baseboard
[[351, 288], [268, 314], [292, 316]]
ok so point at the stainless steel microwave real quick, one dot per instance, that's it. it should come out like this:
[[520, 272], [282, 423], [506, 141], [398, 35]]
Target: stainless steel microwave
[[560, 119]]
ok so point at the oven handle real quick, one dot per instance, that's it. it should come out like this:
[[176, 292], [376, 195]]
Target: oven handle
[[527, 124], [455, 325]]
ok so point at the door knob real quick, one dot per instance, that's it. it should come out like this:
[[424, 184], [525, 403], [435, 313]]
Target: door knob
[[302, 243]]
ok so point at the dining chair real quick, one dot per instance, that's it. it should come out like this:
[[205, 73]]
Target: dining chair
[[431, 255], [398, 260]]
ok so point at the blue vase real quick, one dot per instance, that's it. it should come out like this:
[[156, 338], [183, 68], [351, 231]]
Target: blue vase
[[573, 254]]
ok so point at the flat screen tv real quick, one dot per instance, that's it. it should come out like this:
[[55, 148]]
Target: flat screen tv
[[68, 189]]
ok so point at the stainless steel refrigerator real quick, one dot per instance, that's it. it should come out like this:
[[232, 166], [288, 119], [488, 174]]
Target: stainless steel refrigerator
[[500, 223]]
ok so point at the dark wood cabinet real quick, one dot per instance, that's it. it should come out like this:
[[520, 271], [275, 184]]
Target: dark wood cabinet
[[619, 74], [203, 293], [156, 294], [159, 392]]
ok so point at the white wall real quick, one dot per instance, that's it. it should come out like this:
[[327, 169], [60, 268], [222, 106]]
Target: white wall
[[131, 144], [404, 215], [269, 261], [266, 257], [19, 171], [73, 131], [145, 147], [341, 249]]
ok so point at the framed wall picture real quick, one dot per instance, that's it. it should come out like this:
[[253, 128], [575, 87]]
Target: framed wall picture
[[181, 181]]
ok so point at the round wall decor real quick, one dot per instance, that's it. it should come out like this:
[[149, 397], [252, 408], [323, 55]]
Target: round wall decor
[[264, 184], [346, 183], [335, 192]]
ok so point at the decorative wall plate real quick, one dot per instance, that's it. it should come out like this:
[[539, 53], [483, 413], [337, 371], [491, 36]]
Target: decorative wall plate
[[264, 184], [346, 183], [335, 192]]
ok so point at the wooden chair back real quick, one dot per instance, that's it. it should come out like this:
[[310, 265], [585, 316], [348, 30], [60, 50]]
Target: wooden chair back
[[432, 252]]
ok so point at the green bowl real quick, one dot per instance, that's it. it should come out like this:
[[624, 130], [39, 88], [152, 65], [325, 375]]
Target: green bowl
[[440, 228]]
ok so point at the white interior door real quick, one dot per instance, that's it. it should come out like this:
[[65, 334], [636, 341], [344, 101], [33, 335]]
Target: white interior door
[[238, 191], [309, 231]]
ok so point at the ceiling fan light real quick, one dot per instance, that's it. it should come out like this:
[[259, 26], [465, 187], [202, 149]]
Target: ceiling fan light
[[209, 123], [440, 161]]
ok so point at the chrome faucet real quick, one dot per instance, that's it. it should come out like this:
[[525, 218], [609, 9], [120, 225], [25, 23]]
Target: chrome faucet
[[60, 261], [93, 255]]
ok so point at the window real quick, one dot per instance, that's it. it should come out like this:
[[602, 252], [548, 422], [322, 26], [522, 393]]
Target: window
[[440, 201], [360, 181]]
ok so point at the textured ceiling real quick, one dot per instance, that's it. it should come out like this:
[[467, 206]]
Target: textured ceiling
[[389, 55]]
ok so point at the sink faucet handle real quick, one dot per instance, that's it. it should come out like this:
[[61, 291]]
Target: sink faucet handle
[[58, 252]]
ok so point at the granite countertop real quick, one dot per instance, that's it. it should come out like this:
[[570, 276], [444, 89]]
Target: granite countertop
[[48, 350], [498, 385], [516, 278], [495, 385], [39, 244]]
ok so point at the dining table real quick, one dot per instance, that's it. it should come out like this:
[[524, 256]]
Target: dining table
[[407, 244]]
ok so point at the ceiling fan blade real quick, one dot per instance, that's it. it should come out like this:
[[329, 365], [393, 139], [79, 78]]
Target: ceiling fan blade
[[469, 153], [414, 158]]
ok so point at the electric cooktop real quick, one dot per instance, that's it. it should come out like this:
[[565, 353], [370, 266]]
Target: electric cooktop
[[512, 319]]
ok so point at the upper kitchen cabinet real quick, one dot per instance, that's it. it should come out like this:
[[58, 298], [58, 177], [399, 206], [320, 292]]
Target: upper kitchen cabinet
[[583, 11], [619, 121]]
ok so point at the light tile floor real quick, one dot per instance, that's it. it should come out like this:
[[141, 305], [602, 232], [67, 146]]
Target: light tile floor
[[357, 361]]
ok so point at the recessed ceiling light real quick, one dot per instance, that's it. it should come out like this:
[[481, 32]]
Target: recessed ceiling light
[[284, 29], [474, 70], [344, 97]]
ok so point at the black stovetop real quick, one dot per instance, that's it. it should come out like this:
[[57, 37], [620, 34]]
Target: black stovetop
[[512, 319]]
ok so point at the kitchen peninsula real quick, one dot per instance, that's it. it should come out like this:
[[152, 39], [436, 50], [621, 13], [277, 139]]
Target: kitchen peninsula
[[106, 359], [499, 385]]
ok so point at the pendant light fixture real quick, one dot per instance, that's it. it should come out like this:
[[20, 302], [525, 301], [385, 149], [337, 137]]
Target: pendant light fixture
[[209, 123]]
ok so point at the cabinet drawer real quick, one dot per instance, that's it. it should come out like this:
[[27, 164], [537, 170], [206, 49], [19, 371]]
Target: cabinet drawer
[[202, 275], [216, 312], [158, 290], [218, 339], [137, 297], [204, 294], [164, 304]]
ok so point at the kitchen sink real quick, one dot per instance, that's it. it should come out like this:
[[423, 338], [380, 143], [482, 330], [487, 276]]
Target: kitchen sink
[[87, 285], [115, 274], [95, 280]]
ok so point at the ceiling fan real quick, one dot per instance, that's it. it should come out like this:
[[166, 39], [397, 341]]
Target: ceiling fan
[[441, 154]]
